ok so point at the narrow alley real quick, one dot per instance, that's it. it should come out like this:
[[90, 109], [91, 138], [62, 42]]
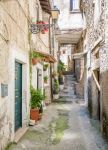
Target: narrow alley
[[66, 125], [53, 74]]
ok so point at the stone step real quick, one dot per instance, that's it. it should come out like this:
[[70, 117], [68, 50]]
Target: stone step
[[68, 96], [20, 133]]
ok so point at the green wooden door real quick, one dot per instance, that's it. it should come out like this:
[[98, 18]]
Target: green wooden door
[[18, 95]]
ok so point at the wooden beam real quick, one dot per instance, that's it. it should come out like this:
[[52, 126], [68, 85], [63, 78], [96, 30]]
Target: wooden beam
[[44, 3], [96, 81], [46, 6]]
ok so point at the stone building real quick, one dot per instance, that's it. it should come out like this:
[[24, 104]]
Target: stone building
[[17, 43], [14, 69], [40, 44], [96, 59], [71, 29]]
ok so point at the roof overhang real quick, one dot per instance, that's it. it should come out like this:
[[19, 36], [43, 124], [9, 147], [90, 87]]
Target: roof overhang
[[70, 36], [46, 56], [79, 55], [45, 4]]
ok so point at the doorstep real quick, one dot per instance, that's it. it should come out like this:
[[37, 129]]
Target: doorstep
[[20, 133]]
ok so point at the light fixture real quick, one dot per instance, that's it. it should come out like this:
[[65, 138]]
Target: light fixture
[[55, 13]]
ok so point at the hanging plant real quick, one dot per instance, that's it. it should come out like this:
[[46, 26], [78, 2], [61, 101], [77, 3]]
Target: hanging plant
[[43, 27], [45, 79], [54, 74], [36, 57], [45, 66]]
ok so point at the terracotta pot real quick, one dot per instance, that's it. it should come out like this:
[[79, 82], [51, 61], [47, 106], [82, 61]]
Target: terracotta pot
[[34, 61], [46, 103], [45, 81], [43, 31], [45, 69], [34, 114], [54, 75]]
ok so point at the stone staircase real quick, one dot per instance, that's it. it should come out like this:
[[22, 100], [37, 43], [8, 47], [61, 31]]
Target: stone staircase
[[67, 94]]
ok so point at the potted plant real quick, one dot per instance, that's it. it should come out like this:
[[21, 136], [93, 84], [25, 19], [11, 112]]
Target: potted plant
[[36, 103], [56, 89], [45, 28], [45, 79], [54, 74], [61, 68], [45, 66], [36, 57]]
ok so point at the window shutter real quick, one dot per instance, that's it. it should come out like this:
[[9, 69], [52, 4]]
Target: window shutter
[[71, 5]]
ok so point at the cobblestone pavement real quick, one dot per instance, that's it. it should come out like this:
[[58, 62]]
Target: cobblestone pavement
[[65, 126]]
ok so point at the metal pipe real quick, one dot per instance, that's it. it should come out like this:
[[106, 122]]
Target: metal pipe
[[50, 63]]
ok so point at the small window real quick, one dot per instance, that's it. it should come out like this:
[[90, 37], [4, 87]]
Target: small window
[[74, 5]]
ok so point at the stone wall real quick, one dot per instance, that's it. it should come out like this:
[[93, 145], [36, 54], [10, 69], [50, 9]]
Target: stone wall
[[96, 30], [67, 19], [40, 42], [13, 41], [79, 70]]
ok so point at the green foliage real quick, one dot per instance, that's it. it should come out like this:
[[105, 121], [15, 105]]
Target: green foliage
[[54, 73], [56, 87], [61, 126], [61, 66], [36, 98], [45, 66], [45, 78], [36, 55]]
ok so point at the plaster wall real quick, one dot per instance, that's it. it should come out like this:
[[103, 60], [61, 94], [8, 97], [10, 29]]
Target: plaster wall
[[67, 18], [13, 47]]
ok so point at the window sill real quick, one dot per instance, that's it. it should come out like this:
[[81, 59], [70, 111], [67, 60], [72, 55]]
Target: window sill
[[75, 11]]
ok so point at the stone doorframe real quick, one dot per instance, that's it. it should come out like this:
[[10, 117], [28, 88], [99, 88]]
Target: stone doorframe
[[23, 58]]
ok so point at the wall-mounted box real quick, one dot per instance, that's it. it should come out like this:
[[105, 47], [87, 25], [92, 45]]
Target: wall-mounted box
[[4, 90]]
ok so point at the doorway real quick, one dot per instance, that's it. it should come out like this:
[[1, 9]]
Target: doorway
[[18, 95]]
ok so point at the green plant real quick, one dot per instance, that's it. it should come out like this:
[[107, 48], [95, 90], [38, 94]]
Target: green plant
[[36, 98], [54, 73], [36, 55], [45, 66], [56, 87], [61, 67], [45, 78]]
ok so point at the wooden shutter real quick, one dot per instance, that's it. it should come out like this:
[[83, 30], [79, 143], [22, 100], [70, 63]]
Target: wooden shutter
[[71, 5]]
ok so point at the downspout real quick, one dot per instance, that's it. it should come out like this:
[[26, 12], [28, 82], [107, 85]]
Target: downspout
[[50, 63]]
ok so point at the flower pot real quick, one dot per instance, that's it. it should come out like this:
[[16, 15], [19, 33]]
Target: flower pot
[[34, 114], [55, 96], [45, 82], [43, 31], [45, 69], [34, 61], [54, 75]]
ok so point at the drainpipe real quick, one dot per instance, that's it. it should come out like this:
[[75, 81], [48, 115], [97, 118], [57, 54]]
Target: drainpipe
[[50, 63]]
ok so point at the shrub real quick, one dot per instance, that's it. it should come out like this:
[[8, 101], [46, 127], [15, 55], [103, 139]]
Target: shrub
[[36, 98], [56, 87]]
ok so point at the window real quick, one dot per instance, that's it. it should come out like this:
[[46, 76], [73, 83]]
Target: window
[[74, 5]]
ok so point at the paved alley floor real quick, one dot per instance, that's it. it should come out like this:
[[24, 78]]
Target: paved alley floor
[[65, 126]]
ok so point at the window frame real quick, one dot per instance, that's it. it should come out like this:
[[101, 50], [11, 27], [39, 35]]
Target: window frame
[[72, 10]]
